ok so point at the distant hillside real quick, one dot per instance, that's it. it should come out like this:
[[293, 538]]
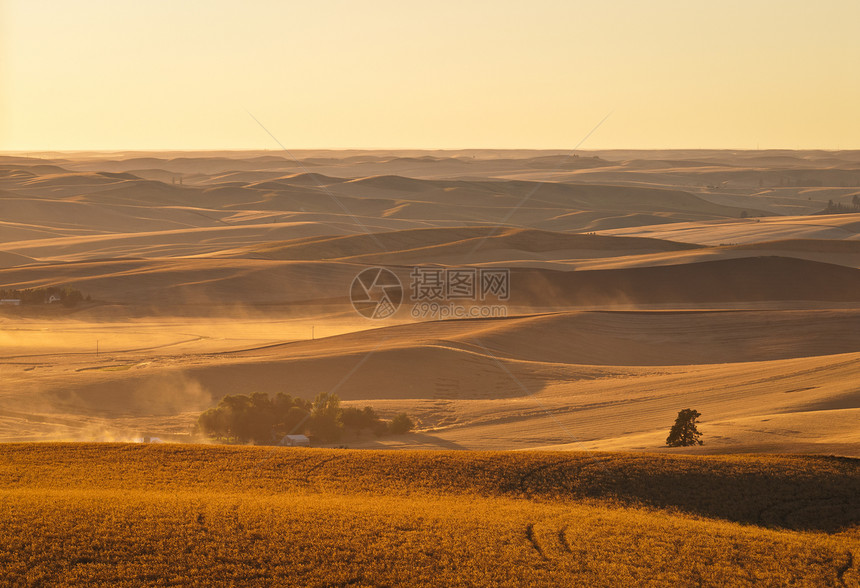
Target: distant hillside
[[740, 280]]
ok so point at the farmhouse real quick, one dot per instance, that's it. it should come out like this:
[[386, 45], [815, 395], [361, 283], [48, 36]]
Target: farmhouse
[[10, 302], [295, 441]]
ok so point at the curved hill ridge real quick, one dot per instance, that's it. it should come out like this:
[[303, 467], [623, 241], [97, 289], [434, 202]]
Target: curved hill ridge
[[806, 245], [254, 189], [455, 240], [607, 338], [230, 281], [570, 196], [748, 231], [310, 179], [401, 183], [837, 252]]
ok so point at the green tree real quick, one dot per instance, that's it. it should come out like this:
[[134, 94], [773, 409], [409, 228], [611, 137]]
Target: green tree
[[325, 422], [71, 297], [360, 419], [256, 418], [261, 419], [684, 432], [291, 415], [235, 409], [400, 424]]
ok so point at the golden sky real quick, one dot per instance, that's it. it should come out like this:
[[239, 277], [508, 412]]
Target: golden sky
[[154, 74]]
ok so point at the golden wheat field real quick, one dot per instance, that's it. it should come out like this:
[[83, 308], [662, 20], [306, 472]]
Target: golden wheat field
[[446, 294], [125, 514]]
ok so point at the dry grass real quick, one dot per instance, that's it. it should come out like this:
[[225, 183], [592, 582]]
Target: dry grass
[[172, 515]]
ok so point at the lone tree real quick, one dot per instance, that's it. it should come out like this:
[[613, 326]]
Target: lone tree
[[684, 432]]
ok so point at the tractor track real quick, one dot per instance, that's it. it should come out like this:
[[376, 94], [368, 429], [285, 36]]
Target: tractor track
[[307, 474], [843, 569], [530, 535], [562, 539]]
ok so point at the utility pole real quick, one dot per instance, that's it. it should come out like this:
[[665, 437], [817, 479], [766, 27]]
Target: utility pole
[[97, 347], [312, 332]]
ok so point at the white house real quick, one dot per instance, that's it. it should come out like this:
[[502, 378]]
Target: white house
[[146, 440], [10, 302], [295, 441]]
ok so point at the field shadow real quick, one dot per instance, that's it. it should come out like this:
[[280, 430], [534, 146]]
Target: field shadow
[[750, 491]]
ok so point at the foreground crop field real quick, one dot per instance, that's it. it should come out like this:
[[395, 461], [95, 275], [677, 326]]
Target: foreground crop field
[[213, 515]]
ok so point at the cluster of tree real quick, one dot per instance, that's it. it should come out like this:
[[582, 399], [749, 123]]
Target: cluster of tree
[[257, 418], [684, 432], [64, 294], [839, 208], [261, 419]]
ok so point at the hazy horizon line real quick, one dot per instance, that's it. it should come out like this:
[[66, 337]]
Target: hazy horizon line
[[389, 149]]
